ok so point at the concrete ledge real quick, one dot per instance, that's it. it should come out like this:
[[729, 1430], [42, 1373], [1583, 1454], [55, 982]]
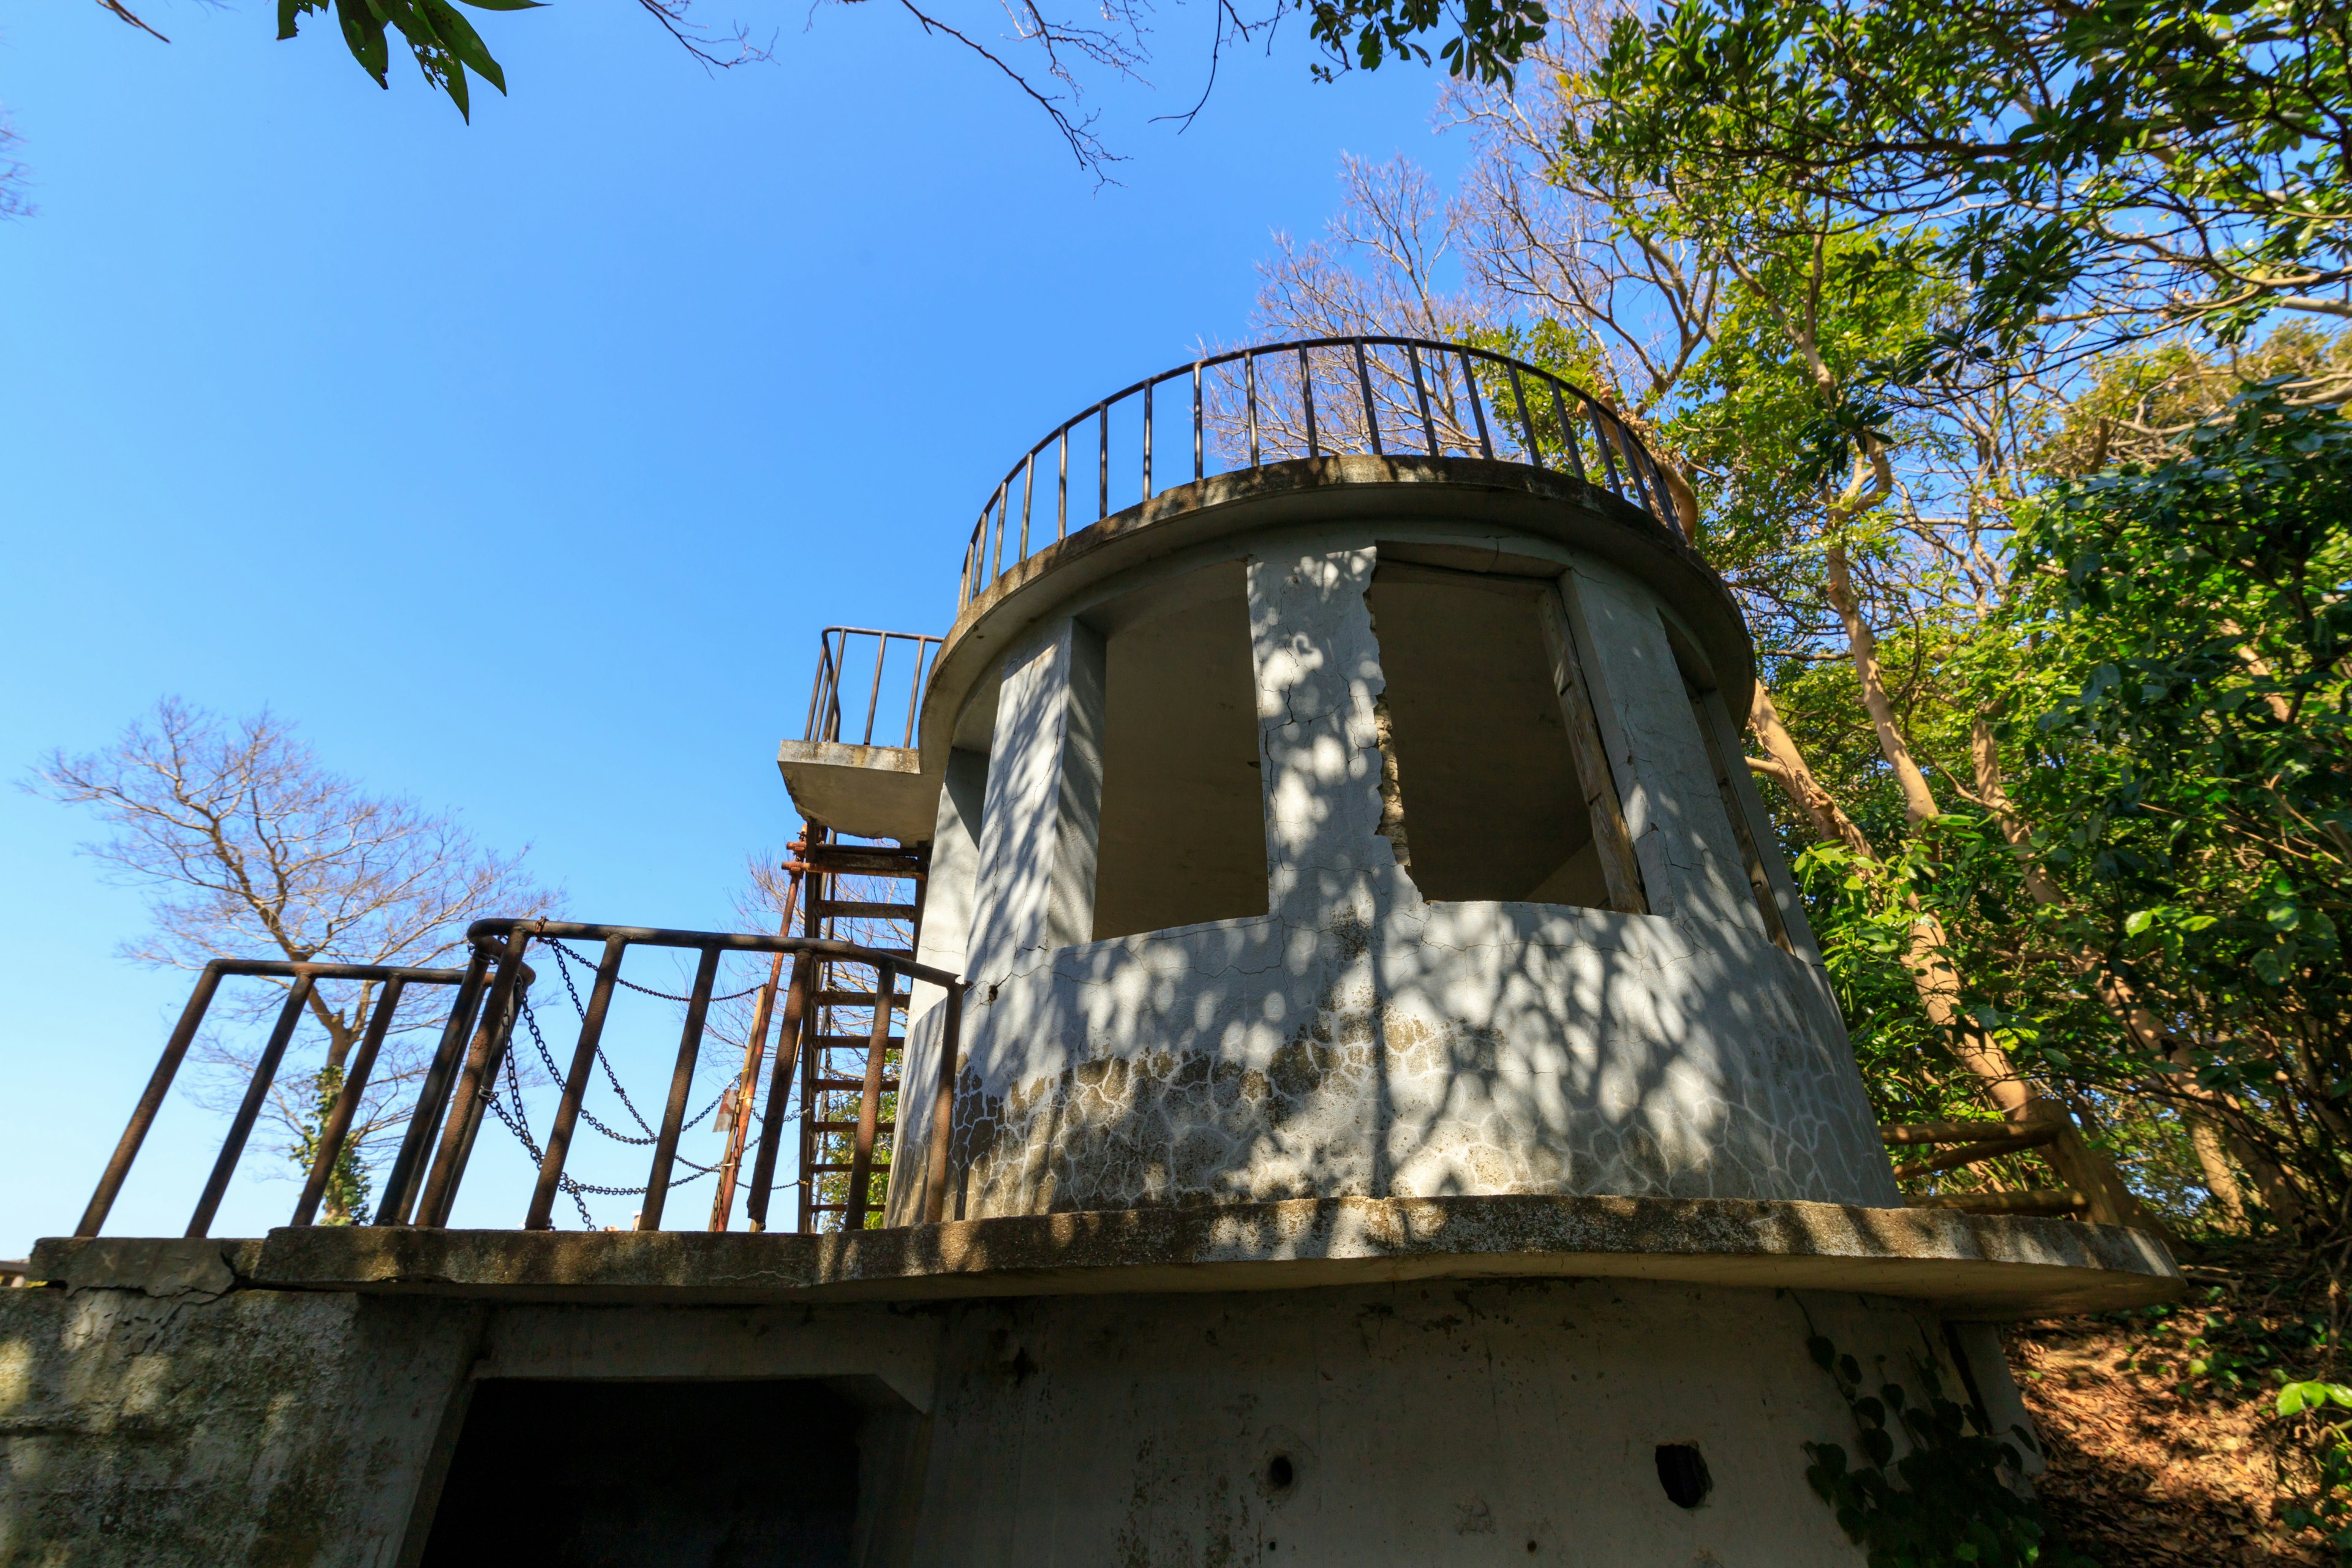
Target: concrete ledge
[[199, 1268], [1973, 1266]]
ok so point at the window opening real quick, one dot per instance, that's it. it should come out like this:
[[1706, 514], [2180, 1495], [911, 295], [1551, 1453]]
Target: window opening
[[1487, 780], [1183, 820]]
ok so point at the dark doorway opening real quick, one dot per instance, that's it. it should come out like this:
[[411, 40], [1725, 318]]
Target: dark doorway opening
[[636, 1474]]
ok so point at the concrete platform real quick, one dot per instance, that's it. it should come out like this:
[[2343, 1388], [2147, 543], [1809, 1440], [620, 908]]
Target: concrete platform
[[1969, 1267]]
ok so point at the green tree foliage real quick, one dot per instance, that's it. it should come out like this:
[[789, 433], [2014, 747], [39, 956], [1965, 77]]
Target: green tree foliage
[[2185, 729], [2133, 165], [437, 33]]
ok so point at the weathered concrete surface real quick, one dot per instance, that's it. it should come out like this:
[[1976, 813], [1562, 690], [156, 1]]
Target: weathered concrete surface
[[1405, 1424], [1453, 1421], [1360, 1040], [874, 792], [1970, 1265], [259, 1426]]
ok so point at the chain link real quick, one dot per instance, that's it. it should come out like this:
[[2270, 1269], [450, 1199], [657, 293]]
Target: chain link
[[562, 953]]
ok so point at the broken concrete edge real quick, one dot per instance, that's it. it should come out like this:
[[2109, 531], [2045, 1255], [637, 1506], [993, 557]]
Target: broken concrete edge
[[198, 1267], [1989, 1267]]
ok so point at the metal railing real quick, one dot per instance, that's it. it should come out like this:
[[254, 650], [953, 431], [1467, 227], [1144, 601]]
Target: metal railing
[[833, 662], [306, 977], [458, 1085], [1309, 398]]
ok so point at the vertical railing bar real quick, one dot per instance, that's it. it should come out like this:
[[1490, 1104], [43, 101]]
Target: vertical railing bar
[[1477, 409], [1527, 425], [915, 688], [1306, 394], [1028, 495], [1567, 432], [1061, 491], [265, 1072], [1371, 414], [1102, 462], [347, 1100], [873, 698], [440, 1182], [1198, 467], [150, 1101], [935, 1181], [869, 1103], [780, 1094], [997, 503], [1608, 458], [400, 1187], [476, 1111], [541, 1214], [1421, 394], [1249, 399], [1147, 439], [681, 1088]]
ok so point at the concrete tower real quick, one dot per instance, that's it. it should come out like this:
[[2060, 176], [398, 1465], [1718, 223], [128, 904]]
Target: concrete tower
[[1369, 1094], [1369, 924]]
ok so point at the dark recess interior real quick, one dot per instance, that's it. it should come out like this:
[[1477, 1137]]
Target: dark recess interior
[[1184, 823], [630, 1475], [1493, 808]]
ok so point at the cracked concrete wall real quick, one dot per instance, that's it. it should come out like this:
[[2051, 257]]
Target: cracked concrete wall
[[1443, 1422], [260, 1427], [1360, 1039]]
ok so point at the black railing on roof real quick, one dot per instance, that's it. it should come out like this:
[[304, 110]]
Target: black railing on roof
[[1311, 398]]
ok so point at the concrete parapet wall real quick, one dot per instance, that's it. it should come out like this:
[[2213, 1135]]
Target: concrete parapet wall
[[1359, 1040], [257, 1427]]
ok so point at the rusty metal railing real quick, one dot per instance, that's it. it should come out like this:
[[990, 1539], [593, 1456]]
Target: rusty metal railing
[[458, 1084], [833, 662], [305, 977], [1312, 398]]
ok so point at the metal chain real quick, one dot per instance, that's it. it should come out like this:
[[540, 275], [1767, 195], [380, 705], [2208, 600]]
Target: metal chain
[[562, 953], [606, 1063]]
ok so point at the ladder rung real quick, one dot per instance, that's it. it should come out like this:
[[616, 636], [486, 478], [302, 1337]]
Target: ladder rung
[[878, 1168], [859, 998], [879, 1127], [850, 1085], [863, 860], [842, 909], [838, 1042]]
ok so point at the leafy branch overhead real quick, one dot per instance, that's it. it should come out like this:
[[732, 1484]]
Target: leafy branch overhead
[[444, 42], [1045, 56]]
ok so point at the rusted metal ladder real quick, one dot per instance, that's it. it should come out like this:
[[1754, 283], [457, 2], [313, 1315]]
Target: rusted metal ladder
[[852, 1037]]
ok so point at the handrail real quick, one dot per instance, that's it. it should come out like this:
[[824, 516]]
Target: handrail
[[1433, 413], [395, 979], [833, 662], [458, 1082]]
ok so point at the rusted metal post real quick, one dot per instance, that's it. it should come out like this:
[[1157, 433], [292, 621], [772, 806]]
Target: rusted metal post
[[575, 1087], [478, 1108], [747, 1084], [1307, 399], [347, 1102], [432, 1095], [1526, 428], [1421, 391], [1567, 432], [465, 1105], [869, 1103], [1371, 414], [150, 1101], [935, 1180], [240, 1127], [681, 1088], [780, 1093], [1477, 409]]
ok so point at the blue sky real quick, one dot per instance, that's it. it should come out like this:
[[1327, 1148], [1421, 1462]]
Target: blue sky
[[519, 463]]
